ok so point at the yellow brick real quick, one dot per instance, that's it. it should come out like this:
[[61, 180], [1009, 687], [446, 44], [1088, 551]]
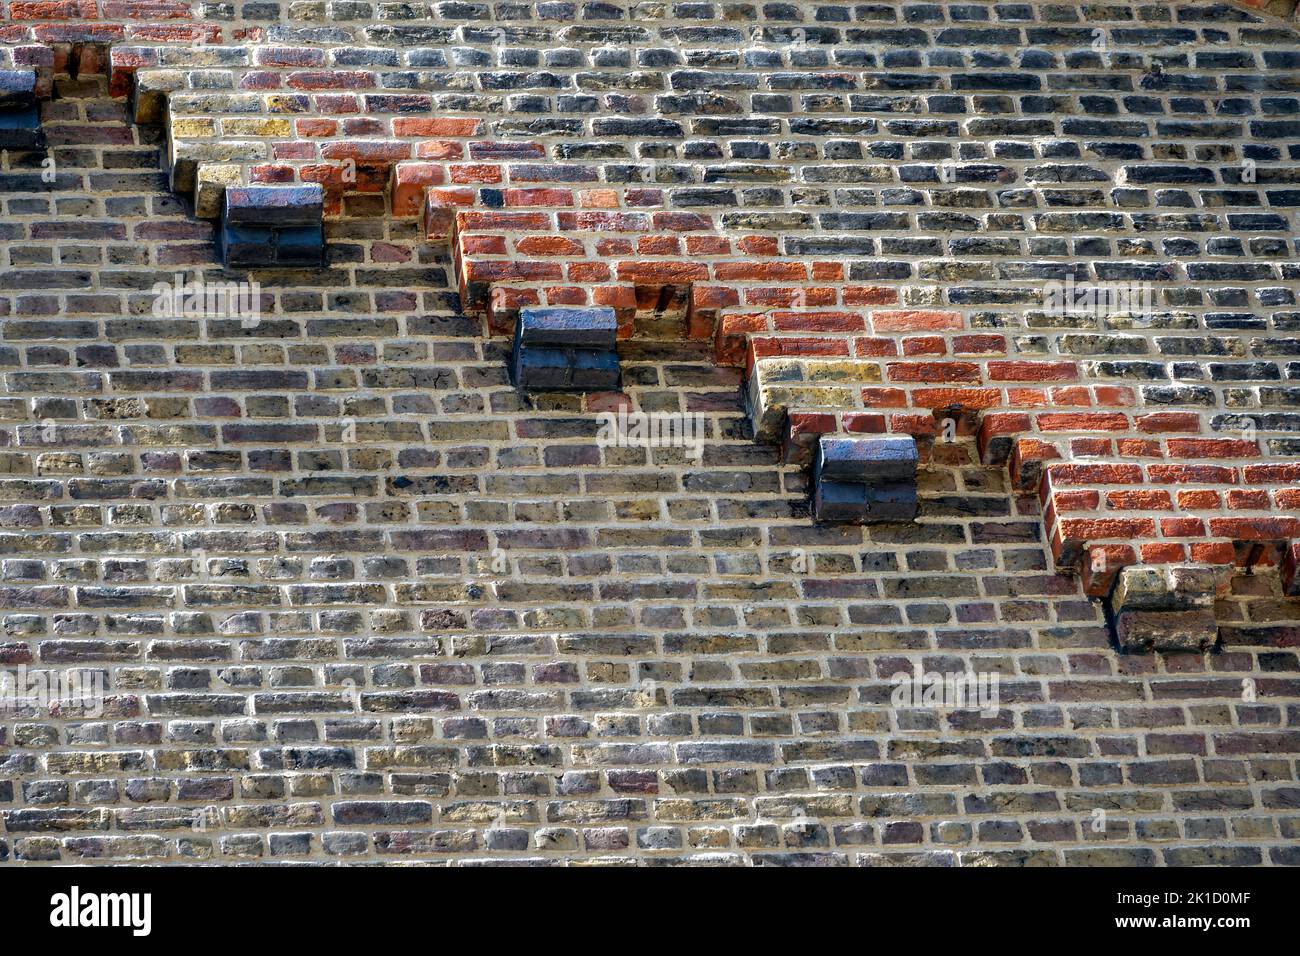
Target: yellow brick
[[256, 127], [193, 128], [845, 371], [811, 397], [213, 179]]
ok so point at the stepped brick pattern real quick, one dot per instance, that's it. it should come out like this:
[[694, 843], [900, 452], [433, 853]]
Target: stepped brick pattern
[[363, 580]]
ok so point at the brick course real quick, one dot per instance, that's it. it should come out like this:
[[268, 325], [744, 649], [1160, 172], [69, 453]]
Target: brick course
[[358, 598]]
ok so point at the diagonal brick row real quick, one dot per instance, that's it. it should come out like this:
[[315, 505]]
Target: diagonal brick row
[[1120, 482], [818, 358]]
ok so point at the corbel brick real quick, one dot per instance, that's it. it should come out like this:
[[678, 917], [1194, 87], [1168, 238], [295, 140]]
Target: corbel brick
[[410, 182], [1165, 608], [20, 113], [1101, 566], [184, 158], [211, 182], [557, 349], [439, 213], [273, 226], [997, 433], [864, 479], [802, 432], [1027, 459], [149, 91]]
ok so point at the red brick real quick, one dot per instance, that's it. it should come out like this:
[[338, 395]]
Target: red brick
[[1026, 371], [587, 272], [1027, 459], [968, 398], [1083, 421], [1101, 565], [1215, 552], [818, 321], [316, 127], [925, 345], [922, 426], [475, 173], [879, 397], [759, 246], [1091, 448], [331, 80], [488, 271], [865, 295], [1255, 529], [979, 344], [860, 423], [1084, 473], [53, 10], [409, 182], [1163, 422], [606, 248], [1092, 529], [665, 273], [615, 296], [548, 246], [599, 220], [441, 149], [1114, 395], [1139, 448], [539, 196], [874, 348], [482, 221], [1145, 500], [708, 246], [1191, 474], [1162, 552], [1081, 500], [1182, 527], [1244, 499], [1272, 473], [995, 432], [367, 151], [1027, 398], [1198, 499], [759, 271], [1288, 498], [915, 320], [933, 372], [1076, 396], [429, 127], [1212, 448]]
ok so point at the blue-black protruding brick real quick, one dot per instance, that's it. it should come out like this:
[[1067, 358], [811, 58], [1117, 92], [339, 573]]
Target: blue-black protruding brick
[[857, 480], [270, 226], [566, 350], [20, 114]]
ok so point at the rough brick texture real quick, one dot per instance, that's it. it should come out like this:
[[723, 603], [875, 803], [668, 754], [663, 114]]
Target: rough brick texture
[[358, 598]]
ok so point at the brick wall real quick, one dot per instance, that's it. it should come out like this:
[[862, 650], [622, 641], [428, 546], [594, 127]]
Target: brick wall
[[356, 597]]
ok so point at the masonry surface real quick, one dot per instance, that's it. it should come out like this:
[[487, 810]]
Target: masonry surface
[[355, 597]]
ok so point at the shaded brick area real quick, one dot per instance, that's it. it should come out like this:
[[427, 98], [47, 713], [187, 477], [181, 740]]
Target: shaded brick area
[[360, 599]]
